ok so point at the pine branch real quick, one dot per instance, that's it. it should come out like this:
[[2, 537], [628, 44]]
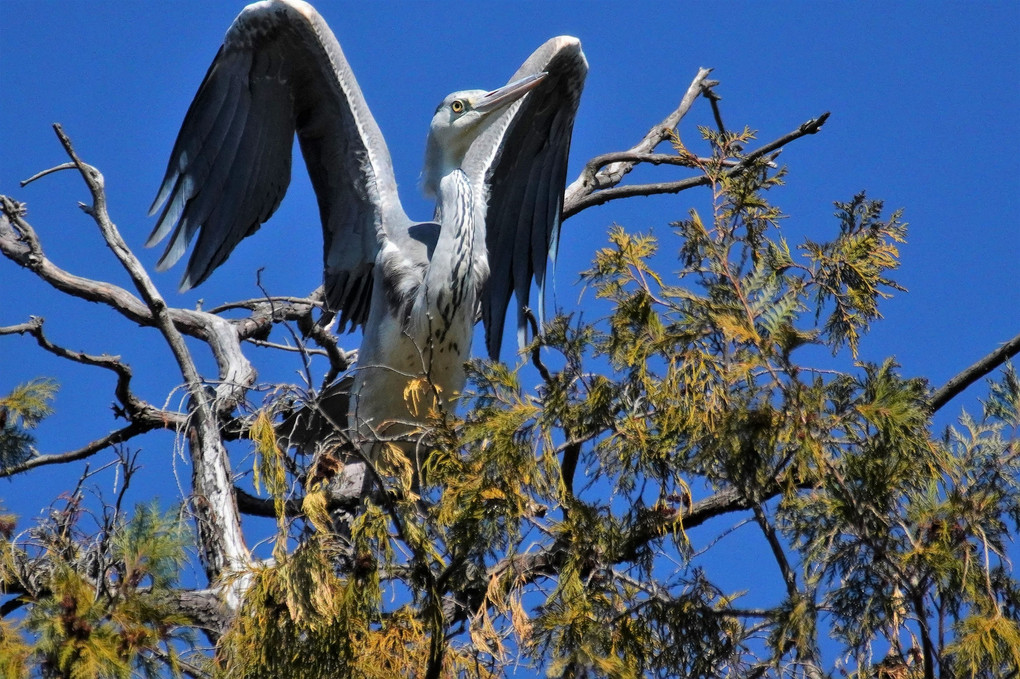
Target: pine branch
[[26, 576], [548, 561]]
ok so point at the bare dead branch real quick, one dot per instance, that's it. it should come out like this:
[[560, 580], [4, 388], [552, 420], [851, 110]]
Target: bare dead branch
[[18, 240], [339, 359], [143, 416], [265, 315], [19, 243], [40, 175], [595, 177], [812, 126], [134, 408], [21, 328], [266, 508], [628, 191], [119, 436], [219, 525], [312, 300], [957, 384], [650, 158], [598, 195]]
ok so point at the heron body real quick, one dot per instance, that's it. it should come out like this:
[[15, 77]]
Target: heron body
[[495, 162], [421, 326]]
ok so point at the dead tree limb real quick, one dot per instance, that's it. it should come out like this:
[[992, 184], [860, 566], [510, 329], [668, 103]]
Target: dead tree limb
[[594, 177], [222, 548], [947, 392], [585, 193]]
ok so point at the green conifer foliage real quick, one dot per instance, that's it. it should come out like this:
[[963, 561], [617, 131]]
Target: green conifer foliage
[[572, 529]]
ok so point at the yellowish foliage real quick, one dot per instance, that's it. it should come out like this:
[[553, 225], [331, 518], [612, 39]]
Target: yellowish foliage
[[986, 643], [314, 505], [421, 397], [14, 652], [269, 469], [29, 403]]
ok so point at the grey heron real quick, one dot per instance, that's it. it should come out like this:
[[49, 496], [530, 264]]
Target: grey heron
[[495, 163]]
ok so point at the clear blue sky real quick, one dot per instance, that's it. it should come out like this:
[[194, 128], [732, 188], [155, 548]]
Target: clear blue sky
[[924, 100]]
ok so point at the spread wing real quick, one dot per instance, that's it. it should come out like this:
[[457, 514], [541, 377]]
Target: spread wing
[[526, 161], [279, 71]]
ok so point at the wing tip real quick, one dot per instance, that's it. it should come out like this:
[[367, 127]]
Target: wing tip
[[174, 249], [566, 44], [186, 283], [564, 51], [253, 10], [158, 232]]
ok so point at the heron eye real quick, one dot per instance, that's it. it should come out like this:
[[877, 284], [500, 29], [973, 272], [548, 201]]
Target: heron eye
[[457, 106]]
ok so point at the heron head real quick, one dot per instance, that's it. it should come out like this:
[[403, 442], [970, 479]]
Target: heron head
[[460, 119]]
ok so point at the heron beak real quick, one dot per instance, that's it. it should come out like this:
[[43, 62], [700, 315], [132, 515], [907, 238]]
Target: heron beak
[[508, 93]]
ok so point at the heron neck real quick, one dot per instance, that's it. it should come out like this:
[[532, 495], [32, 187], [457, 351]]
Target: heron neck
[[459, 265]]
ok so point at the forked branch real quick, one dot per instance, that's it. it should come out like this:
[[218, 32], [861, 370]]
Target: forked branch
[[599, 181], [222, 544], [142, 416], [584, 194]]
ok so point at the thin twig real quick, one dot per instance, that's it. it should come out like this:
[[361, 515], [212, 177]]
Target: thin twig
[[767, 529], [536, 348], [714, 99], [287, 347], [39, 175]]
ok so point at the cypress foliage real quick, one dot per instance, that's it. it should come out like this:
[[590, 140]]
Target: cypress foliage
[[570, 529]]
